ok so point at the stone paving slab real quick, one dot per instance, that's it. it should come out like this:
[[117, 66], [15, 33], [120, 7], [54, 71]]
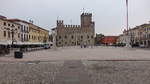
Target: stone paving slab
[[73, 72]]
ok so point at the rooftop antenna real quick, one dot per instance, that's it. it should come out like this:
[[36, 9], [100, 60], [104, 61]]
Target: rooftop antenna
[[83, 10], [31, 21], [71, 21]]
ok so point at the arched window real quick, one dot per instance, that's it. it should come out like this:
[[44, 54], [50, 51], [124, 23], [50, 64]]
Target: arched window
[[59, 37], [65, 37], [88, 36], [91, 36]]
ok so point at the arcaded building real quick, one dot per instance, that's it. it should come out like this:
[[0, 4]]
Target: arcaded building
[[72, 35]]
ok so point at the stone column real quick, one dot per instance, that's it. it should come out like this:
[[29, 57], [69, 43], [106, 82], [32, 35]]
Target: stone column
[[128, 41]]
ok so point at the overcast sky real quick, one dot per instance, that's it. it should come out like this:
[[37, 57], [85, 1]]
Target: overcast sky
[[109, 15]]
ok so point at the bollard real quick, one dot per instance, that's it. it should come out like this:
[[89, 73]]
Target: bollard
[[18, 54]]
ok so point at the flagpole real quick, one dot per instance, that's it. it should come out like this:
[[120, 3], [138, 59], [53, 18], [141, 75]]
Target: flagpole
[[127, 16], [128, 45]]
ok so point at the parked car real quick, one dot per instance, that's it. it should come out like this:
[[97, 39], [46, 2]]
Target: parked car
[[135, 45], [142, 46], [47, 46]]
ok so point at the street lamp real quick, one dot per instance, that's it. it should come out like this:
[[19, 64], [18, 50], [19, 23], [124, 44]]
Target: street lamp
[[12, 34]]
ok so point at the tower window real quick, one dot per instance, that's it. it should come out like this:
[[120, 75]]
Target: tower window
[[59, 37], [72, 37], [65, 37], [88, 36]]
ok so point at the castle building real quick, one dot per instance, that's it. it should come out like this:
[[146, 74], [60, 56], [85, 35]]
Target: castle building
[[72, 35]]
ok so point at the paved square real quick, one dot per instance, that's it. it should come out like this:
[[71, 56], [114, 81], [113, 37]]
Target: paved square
[[73, 65], [77, 53]]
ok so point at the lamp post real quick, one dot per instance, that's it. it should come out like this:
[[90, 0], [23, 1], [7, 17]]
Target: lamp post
[[12, 35]]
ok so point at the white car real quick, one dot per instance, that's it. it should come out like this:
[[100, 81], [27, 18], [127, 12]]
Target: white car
[[47, 46], [142, 46]]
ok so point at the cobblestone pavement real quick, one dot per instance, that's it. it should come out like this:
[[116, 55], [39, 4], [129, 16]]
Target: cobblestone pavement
[[119, 72], [93, 72], [47, 66], [77, 53], [73, 72], [29, 73]]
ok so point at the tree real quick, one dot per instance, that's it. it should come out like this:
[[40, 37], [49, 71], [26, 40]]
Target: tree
[[98, 38]]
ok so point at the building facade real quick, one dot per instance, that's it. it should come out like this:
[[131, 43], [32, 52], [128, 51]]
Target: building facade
[[24, 29], [9, 32], [109, 40], [16, 31], [139, 35], [121, 39], [72, 35], [38, 34], [145, 35]]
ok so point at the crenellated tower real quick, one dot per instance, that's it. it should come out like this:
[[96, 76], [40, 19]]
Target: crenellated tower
[[86, 20], [60, 23]]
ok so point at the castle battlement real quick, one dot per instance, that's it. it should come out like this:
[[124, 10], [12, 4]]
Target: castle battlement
[[72, 26], [86, 14], [60, 21]]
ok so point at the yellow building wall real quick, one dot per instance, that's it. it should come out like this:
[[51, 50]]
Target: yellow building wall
[[8, 28], [38, 34]]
